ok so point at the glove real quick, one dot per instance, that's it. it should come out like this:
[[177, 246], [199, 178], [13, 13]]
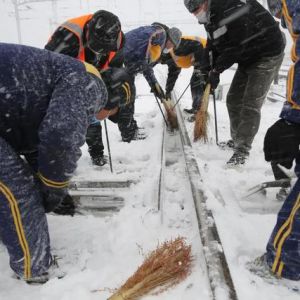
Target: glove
[[158, 91], [66, 206], [213, 79], [168, 95], [52, 197], [281, 143]]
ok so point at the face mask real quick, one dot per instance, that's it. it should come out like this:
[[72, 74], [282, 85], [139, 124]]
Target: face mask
[[202, 17]]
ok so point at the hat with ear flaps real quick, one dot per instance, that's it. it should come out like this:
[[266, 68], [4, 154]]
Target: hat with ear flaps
[[174, 35]]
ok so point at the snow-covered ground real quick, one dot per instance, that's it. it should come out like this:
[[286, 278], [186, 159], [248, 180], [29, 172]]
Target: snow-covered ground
[[101, 253]]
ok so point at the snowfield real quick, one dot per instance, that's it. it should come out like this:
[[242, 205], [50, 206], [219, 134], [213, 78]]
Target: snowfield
[[99, 254]]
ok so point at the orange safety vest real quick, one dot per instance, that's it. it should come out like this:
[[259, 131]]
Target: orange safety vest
[[76, 26], [187, 60]]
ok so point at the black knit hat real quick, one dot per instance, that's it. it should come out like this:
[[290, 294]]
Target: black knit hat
[[104, 32], [193, 5]]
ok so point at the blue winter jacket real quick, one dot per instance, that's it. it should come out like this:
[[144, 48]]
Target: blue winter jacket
[[290, 10], [142, 49], [45, 101]]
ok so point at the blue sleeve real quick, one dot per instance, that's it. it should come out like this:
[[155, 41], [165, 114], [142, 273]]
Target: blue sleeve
[[296, 20], [149, 75], [157, 39], [63, 129]]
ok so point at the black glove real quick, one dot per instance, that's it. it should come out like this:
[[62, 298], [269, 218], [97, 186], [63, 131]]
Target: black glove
[[66, 206], [168, 95], [281, 143], [213, 79], [158, 91], [52, 197]]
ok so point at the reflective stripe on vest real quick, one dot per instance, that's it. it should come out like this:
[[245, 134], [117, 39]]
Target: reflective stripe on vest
[[154, 51], [187, 60], [76, 26]]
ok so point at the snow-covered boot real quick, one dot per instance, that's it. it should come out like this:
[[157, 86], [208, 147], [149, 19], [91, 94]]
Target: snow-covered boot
[[53, 272], [100, 160], [190, 110], [237, 159], [191, 118], [282, 194], [260, 267], [226, 145], [139, 134]]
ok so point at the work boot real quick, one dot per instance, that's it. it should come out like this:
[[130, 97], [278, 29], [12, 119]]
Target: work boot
[[237, 159], [191, 118], [226, 145], [66, 207], [139, 134], [282, 194], [190, 110], [100, 160], [260, 267], [53, 272]]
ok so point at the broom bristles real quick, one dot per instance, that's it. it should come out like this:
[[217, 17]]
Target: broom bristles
[[166, 266], [202, 117], [171, 115]]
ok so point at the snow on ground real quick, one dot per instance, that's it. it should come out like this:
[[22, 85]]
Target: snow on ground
[[101, 253]]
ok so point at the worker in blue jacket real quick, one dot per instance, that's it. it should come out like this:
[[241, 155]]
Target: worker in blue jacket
[[143, 47], [281, 146], [46, 100]]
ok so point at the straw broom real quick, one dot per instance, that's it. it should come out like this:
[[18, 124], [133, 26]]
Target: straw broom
[[166, 266], [200, 128], [171, 115]]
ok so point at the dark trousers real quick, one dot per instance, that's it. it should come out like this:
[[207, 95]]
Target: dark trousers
[[245, 98], [283, 248], [94, 140], [23, 223], [125, 118], [197, 88]]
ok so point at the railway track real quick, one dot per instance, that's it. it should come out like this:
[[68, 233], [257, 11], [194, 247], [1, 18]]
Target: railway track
[[176, 160], [178, 147]]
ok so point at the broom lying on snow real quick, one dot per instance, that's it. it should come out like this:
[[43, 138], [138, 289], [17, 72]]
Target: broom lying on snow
[[167, 265], [200, 127]]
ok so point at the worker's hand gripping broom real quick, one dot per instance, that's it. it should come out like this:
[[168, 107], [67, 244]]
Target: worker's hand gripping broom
[[164, 267], [200, 128], [171, 119]]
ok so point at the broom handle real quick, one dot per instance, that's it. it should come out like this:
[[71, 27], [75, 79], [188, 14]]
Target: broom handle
[[216, 121], [108, 147], [211, 61], [161, 111], [181, 95]]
